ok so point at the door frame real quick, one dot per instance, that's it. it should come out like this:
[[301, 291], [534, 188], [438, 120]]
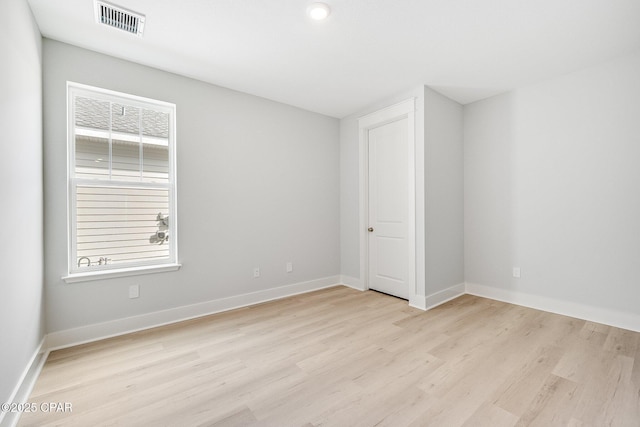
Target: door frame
[[405, 109]]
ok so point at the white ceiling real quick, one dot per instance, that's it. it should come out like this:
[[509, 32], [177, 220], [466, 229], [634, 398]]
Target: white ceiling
[[365, 51]]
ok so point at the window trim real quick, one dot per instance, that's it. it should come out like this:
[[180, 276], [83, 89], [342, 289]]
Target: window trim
[[120, 272], [134, 268]]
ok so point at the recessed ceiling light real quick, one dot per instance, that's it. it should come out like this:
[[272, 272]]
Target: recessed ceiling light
[[319, 11]]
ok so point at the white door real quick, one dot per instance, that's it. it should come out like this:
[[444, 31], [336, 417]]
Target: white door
[[388, 206]]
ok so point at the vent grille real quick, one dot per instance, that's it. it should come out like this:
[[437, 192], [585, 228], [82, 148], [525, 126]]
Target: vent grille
[[119, 17]]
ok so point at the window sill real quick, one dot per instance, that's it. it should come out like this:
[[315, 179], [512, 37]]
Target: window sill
[[121, 272]]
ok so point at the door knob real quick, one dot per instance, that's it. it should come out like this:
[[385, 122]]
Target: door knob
[[370, 229]]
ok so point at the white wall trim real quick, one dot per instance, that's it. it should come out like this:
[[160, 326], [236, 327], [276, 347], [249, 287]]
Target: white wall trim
[[605, 316], [430, 301], [352, 282], [120, 272], [419, 302], [444, 295], [23, 388], [98, 331], [381, 117]]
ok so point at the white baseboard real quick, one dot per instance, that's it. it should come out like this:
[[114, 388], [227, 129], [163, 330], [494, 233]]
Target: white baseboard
[[23, 388], [609, 317], [352, 282], [419, 302], [94, 332], [444, 295], [433, 300], [98, 331]]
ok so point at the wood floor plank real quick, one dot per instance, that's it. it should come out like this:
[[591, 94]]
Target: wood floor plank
[[238, 417], [340, 357], [491, 415], [520, 388], [609, 395], [553, 405]]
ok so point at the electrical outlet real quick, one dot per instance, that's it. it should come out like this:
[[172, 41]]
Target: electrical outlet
[[516, 272], [256, 272], [134, 291], [289, 267]]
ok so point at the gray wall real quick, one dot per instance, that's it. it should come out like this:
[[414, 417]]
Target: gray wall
[[552, 186], [258, 185], [21, 305], [444, 193], [349, 198]]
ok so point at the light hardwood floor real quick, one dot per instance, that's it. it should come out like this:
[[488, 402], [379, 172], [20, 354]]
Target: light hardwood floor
[[340, 357]]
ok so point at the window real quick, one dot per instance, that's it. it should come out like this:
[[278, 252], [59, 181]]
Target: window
[[122, 183]]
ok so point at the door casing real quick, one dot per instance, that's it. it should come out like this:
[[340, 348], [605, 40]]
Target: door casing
[[405, 109]]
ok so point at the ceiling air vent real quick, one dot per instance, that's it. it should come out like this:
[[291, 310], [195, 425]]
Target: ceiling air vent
[[119, 17]]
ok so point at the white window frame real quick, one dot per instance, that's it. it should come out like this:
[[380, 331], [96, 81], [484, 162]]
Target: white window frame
[[133, 268]]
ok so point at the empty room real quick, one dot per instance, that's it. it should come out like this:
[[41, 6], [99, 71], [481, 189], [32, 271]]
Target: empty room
[[333, 213]]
